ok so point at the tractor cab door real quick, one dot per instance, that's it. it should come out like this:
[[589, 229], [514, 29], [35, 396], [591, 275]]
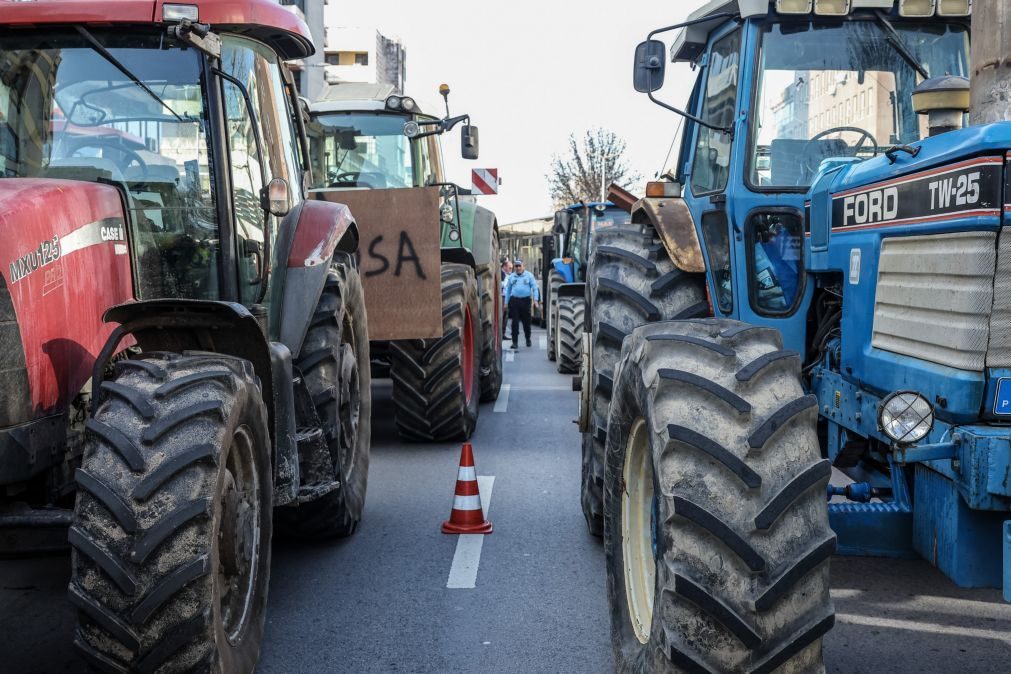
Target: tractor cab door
[[262, 145], [707, 167]]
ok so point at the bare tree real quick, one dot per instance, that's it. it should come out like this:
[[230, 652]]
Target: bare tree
[[576, 175]]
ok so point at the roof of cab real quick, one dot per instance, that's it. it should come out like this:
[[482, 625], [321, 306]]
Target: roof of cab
[[264, 20], [354, 97]]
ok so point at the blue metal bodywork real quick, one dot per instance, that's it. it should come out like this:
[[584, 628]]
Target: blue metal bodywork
[[948, 498]]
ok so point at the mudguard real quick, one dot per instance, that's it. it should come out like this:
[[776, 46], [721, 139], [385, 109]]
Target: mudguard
[[565, 269], [572, 290], [308, 238], [458, 256], [673, 221]]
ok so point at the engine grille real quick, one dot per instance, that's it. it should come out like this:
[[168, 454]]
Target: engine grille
[[999, 352], [935, 295]]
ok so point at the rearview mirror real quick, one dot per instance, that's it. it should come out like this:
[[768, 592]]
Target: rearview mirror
[[561, 222], [469, 142], [346, 140], [650, 66]]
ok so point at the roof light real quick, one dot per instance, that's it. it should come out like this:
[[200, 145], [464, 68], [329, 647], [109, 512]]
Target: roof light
[[407, 103], [832, 7], [180, 12], [916, 7], [393, 102], [954, 7], [663, 189], [793, 6]]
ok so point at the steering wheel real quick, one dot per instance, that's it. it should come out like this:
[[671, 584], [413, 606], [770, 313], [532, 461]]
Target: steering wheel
[[808, 166], [130, 155], [348, 177]]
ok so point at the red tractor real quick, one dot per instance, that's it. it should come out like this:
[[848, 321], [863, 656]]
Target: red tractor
[[184, 359]]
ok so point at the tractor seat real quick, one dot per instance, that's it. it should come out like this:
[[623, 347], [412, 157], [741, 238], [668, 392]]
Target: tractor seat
[[788, 156]]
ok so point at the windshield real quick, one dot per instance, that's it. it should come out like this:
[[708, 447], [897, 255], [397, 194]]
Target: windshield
[[609, 217], [67, 112], [841, 90], [363, 150]]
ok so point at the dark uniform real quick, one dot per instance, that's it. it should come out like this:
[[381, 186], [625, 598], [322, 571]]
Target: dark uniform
[[521, 292]]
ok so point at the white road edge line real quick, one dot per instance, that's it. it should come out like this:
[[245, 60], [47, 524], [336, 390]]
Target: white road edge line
[[502, 404], [544, 343], [463, 572], [510, 356], [929, 628]]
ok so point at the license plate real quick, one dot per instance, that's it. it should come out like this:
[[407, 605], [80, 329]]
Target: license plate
[[1002, 401]]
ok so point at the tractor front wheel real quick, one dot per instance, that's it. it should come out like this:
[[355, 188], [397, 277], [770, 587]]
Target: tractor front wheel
[[569, 333], [551, 311], [436, 382], [172, 527], [716, 533]]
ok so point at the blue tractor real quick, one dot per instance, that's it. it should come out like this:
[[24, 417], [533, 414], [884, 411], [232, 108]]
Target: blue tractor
[[812, 305], [573, 230]]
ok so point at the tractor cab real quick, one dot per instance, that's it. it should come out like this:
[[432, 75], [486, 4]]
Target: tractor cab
[[574, 227]]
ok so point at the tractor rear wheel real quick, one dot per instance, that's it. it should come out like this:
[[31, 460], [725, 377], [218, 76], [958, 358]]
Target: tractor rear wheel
[[716, 537], [569, 333], [436, 382], [631, 281], [551, 312], [334, 361], [172, 527], [490, 285]]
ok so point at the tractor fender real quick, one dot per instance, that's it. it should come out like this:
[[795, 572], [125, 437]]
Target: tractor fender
[[673, 221], [308, 238], [565, 269], [177, 325], [458, 256]]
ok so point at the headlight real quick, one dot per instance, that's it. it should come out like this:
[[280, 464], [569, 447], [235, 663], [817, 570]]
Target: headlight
[[906, 417], [793, 6], [832, 7], [394, 102], [407, 104], [916, 7], [411, 129]]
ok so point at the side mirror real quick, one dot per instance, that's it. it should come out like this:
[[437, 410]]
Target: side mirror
[[650, 66], [469, 142], [561, 225], [275, 197]]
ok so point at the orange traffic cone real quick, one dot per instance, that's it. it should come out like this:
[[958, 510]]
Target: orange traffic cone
[[467, 516]]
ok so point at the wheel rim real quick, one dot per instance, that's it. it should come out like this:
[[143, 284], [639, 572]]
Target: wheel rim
[[637, 531], [239, 535], [349, 413], [468, 355]]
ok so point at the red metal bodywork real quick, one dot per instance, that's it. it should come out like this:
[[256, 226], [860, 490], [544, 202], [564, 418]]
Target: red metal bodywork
[[321, 224], [65, 260], [264, 19]]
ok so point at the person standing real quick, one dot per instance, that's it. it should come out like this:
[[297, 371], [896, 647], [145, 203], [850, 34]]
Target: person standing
[[521, 294], [506, 270]]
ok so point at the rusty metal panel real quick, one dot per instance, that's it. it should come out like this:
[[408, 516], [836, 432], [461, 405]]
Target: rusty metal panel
[[676, 227], [399, 258]]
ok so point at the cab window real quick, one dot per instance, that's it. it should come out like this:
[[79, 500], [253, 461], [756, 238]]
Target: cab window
[[714, 231], [776, 264], [711, 168]]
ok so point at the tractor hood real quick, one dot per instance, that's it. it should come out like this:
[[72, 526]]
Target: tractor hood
[[64, 260]]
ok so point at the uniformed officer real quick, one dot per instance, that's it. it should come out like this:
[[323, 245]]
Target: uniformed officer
[[521, 293]]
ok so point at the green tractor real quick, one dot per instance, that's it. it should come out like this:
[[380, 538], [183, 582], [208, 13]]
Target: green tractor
[[429, 254]]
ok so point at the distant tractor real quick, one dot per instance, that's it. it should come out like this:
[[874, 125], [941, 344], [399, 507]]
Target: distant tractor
[[185, 361], [819, 282], [377, 151], [573, 228]]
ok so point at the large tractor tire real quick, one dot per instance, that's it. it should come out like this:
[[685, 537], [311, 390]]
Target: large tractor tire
[[551, 312], [490, 285], [717, 540], [631, 281], [569, 333], [436, 382], [334, 361], [172, 527]]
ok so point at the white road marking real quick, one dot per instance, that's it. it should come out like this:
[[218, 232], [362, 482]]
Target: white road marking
[[929, 628], [510, 356], [544, 342], [502, 404], [463, 572]]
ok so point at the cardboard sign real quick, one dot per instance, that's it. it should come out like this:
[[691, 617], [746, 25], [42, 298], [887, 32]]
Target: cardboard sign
[[399, 258]]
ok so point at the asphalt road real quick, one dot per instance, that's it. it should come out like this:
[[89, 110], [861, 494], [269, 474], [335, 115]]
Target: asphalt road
[[378, 602]]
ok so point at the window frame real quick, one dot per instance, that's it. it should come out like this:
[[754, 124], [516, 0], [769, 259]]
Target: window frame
[[718, 212], [749, 263], [699, 129]]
